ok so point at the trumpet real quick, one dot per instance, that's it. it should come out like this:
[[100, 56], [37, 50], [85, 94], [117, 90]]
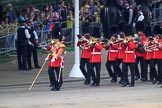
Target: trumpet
[[128, 39]]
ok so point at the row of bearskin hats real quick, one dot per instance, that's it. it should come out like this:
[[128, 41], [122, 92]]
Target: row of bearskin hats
[[129, 30]]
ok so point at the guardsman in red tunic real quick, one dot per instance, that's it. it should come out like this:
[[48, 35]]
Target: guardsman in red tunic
[[111, 57], [121, 51], [95, 60], [55, 64], [138, 51], [157, 55], [129, 57], [148, 55], [83, 43], [111, 53]]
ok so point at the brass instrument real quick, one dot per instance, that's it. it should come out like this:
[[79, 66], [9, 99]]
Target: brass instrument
[[128, 39], [109, 42], [118, 40]]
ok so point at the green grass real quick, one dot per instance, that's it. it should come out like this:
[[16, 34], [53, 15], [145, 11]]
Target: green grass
[[4, 58], [68, 48]]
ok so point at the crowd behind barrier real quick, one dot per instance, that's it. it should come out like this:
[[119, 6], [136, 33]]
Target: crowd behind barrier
[[7, 41], [44, 21]]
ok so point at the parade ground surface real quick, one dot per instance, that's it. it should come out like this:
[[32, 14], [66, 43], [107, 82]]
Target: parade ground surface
[[14, 85]]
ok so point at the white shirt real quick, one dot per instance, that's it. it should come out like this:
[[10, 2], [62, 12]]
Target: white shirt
[[141, 17]]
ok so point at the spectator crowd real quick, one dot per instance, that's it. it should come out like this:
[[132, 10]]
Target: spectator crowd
[[64, 14]]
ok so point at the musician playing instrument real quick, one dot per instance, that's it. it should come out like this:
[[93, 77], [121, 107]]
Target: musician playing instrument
[[112, 50], [55, 64], [121, 51], [147, 58], [139, 49], [83, 43], [129, 57], [95, 60], [157, 55]]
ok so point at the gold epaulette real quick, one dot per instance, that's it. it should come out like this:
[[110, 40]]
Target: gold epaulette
[[101, 6], [61, 45]]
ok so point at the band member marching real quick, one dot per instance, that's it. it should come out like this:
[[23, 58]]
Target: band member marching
[[95, 60], [129, 57], [139, 54], [111, 54], [121, 51], [157, 55], [83, 43], [148, 55], [55, 64]]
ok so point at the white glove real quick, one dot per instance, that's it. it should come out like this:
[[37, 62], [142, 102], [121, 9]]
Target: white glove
[[44, 48], [53, 60], [46, 59]]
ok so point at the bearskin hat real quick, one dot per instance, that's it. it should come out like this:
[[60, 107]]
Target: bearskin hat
[[96, 32], [148, 31], [140, 26], [156, 29], [120, 26], [128, 30], [113, 30]]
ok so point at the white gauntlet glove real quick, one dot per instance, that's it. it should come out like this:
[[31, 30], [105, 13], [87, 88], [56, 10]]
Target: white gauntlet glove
[[53, 60], [46, 59]]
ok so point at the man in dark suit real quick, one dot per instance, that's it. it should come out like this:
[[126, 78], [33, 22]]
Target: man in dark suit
[[32, 46], [22, 38]]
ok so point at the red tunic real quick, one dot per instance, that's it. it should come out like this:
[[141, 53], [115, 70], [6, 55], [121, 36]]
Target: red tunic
[[57, 55], [112, 52], [86, 51], [96, 56], [129, 53], [157, 52], [139, 54], [149, 53], [121, 51]]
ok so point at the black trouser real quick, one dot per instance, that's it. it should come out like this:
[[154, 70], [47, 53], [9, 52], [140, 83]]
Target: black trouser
[[53, 73], [117, 68], [153, 63], [95, 74], [160, 69], [32, 50], [157, 76], [145, 69], [125, 72], [86, 72], [109, 65], [22, 55], [139, 60]]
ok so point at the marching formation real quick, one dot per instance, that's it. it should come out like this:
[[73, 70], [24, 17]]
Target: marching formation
[[125, 48]]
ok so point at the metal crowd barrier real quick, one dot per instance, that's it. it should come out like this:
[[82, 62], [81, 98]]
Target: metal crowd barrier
[[7, 44], [157, 16]]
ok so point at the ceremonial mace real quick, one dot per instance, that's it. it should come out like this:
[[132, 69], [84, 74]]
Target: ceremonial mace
[[37, 76]]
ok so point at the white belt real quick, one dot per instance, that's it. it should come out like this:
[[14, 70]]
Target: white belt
[[129, 51], [112, 50], [155, 49], [148, 50], [96, 53]]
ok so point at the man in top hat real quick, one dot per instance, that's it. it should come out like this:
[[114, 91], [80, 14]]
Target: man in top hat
[[129, 58], [83, 43]]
